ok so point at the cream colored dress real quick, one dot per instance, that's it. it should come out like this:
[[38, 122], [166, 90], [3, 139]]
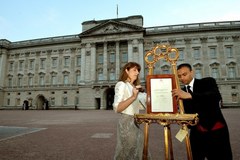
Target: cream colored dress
[[130, 137]]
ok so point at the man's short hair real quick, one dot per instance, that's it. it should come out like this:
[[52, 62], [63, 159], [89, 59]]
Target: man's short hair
[[185, 65]]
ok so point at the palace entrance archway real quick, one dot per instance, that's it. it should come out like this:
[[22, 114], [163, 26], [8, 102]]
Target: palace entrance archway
[[41, 102]]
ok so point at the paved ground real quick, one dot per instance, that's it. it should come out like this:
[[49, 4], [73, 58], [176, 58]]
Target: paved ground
[[82, 135]]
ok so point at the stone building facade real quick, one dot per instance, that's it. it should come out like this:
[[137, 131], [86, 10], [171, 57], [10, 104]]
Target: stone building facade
[[80, 71]]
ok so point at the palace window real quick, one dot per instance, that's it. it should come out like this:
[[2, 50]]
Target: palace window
[[20, 65], [76, 101], [18, 101], [198, 73], [215, 73], [66, 61], [112, 58], [124, 57], [52, 101], [78, 78], [181, 55], [79, 61], [165, 69], [54, 79], [112, 75], [229, 51], [54, 62], [42, 63], [234, 97], [20, 79], [41, 80], [212, 52], [30, 80], [100, 74], [234, 87], [196, 53], [31, 64], [100, 59], [10, 82], [231, 72], [65, 79], [11, 66], [65, 101]]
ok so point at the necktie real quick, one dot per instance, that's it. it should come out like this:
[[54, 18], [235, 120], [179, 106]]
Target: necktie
[[189, 89]]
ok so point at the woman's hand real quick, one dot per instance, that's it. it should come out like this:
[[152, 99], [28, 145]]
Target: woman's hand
[[135, 92], [140, 88]]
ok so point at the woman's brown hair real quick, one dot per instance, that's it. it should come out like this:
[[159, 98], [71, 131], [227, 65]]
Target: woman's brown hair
[[124, 76]]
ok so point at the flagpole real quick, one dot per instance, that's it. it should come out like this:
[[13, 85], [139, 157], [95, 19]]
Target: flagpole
[[117, 10]]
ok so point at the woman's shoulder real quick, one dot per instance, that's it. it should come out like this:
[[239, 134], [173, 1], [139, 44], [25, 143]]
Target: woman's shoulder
[[120, 83]]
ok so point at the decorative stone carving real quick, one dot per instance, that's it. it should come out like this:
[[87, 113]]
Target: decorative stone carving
[[219, 38], [187, 40], [111, 28], [203, 39]]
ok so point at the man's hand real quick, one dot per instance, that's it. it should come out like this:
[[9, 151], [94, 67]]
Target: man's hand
[[180, 94]]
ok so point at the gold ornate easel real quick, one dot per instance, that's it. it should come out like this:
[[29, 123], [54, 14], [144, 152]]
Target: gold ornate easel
[[166, 119]]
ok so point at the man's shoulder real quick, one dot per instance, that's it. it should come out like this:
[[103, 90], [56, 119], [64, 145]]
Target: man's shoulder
[[207, 80]]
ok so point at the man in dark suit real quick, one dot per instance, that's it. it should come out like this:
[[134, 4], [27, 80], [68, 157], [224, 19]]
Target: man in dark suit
[[210, 137]]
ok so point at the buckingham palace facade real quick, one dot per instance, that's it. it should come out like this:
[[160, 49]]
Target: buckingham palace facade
[[80, 71]]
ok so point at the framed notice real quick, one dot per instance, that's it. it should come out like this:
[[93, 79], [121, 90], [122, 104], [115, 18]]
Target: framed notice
[[159, 94]]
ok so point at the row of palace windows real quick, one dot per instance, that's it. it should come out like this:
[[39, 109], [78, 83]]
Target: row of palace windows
[[234, 99], [42, 63], [212, 51], [66, 61], [215, 73], [54, 79], [196, 54], [52, 101], [112, 58]]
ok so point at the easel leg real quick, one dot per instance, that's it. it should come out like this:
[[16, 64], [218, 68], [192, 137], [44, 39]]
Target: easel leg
[[188, 145], [170, 143], [145, 149], [167, 142]]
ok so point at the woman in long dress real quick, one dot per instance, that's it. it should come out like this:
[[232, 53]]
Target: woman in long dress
[[128, 100]]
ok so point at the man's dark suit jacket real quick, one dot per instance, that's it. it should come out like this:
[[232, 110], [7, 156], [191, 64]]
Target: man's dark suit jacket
[[205, 101]]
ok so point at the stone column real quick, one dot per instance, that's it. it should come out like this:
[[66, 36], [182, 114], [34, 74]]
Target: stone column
[[48, 67], [83, 65], [141, 55], [204, 57], [236, 49], [117, 68], [130, 50], [88, 64], [37, 65], [220, 48], [93, 62], [220, 52], [105, 62], [188, 49], [3, 64]]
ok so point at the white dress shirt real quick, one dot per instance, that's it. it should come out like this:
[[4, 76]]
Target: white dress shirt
[[123, 90], [191, 84]]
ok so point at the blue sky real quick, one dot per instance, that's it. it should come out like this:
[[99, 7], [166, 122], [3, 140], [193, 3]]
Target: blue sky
[[32, 19]]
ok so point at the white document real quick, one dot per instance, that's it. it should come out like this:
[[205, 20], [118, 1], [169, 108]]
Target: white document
[[161, 95]]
